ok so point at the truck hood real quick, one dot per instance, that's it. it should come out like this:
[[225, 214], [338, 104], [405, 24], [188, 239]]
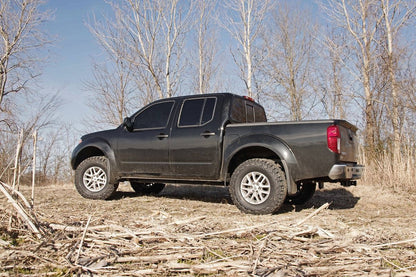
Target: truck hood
[[99, 134]]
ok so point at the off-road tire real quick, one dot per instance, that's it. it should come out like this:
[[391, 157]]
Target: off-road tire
[[92, 178], [147, 188], [304, 194], [272, 185]]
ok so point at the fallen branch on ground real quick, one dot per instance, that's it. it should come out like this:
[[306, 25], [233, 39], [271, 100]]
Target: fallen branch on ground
[[323, 207], [394, 243], [23, 214]]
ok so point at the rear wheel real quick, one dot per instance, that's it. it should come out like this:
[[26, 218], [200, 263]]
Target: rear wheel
[[258, 186], [147, 188], [92, 178], [305, 192]]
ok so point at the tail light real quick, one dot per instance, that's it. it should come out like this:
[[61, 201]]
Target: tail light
[[249, 98], [333, 137]]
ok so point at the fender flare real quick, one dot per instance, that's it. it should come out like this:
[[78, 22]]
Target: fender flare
[[274, 144], [90, 148]]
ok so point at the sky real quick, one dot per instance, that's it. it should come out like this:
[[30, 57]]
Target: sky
[[71, 54]]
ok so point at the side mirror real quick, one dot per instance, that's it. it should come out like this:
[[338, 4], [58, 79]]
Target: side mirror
[[128, 124]]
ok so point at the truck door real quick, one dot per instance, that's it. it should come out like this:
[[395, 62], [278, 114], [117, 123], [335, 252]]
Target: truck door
[[195, 141], [145, 150]]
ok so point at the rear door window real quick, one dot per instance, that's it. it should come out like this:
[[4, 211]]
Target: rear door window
[[196, 112], [208, 110]]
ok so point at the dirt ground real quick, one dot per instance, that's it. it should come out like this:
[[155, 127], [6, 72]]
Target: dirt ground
[[196, 231]]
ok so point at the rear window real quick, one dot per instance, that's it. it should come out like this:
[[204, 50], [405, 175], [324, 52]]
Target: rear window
[[245, 111]]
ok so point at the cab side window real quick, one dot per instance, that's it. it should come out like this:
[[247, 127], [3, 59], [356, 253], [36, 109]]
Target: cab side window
[[197, 112], [259, 114], [154, 117], [243, 111]]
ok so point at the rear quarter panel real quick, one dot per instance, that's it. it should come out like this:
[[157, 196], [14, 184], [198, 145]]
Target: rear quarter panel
[[306, 140]]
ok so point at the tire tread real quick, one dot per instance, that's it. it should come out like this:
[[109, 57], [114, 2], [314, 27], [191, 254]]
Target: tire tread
[[103, 194], [275, 171]]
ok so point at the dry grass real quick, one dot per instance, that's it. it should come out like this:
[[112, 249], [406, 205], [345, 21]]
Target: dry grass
[[398, 175], [192, 231]]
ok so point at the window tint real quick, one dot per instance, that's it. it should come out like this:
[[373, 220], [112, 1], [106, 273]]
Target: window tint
[[155, 116], [260, 115], [208, 110], [191, 112], [243, 111], [249, 113], [238, 112], [196, 112]]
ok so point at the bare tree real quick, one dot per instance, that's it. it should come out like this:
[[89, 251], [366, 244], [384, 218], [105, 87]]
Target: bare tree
[[396, 15], [47, 144], [41, 116], [152, 35], [334, 82], [410, 88], [177, 23], [111, 92], [54, 147], [244, 21], [289, 45], [360, 19], [21, 36], [207, 45]]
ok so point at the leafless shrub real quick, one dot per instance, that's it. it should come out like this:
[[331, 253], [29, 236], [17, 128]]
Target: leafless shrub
[[398, 175]]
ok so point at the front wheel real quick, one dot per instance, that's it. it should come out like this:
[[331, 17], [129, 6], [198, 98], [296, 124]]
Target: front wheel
[[147, 188], [92, 178], [258, 186]]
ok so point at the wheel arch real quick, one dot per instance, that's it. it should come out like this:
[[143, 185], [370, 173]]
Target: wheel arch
[[266, 147], [96, 148], [85, 153]]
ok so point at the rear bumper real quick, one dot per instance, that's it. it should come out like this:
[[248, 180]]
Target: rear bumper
[[346, 172]]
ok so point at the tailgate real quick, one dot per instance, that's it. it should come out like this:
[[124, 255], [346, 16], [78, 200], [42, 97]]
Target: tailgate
[[349, 143]]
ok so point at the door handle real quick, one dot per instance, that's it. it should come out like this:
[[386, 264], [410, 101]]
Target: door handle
[[162, 136], [207, 134]]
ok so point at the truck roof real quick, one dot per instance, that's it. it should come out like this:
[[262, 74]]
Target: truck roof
[[226, 94]]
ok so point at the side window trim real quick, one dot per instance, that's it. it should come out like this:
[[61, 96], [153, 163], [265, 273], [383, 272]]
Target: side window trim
[[202, 112], [155, 128], [213, 110]]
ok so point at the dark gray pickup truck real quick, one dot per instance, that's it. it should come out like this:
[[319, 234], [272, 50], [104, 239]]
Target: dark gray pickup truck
[[218, 139]]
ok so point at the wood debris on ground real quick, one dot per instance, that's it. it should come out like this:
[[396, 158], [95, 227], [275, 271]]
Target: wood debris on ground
[[162, 244]]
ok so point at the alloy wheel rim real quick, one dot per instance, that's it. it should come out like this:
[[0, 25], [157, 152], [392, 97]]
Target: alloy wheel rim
[[94, 179], [255, 188]]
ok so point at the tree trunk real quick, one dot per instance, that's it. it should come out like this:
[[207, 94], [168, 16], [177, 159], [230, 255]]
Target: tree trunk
[[394, 113]]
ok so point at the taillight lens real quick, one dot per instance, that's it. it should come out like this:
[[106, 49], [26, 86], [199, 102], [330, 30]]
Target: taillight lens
[[249, 98], [333, 137]]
